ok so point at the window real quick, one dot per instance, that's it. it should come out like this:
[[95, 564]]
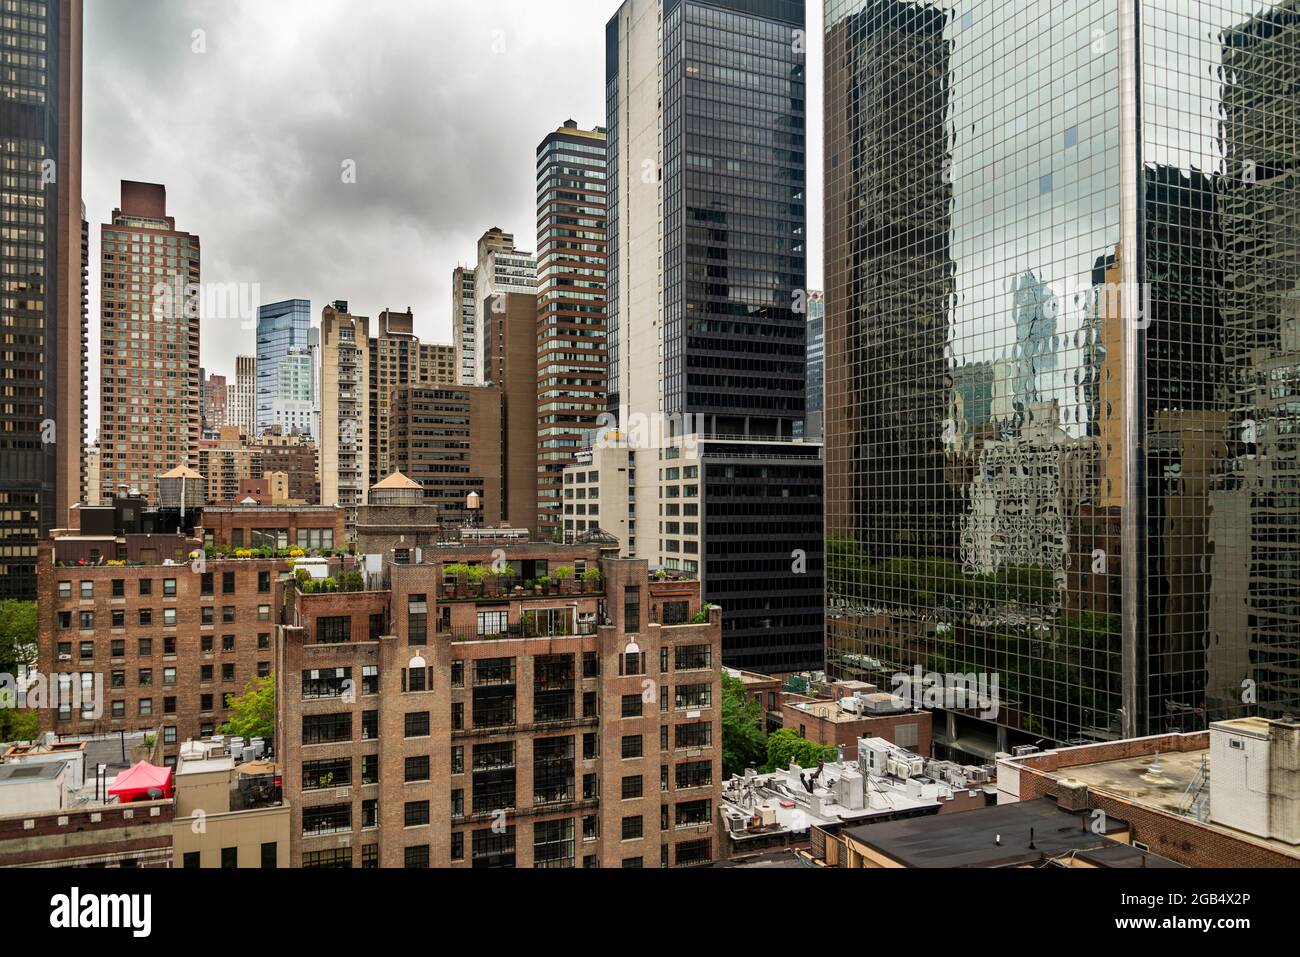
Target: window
[[369, 813], [417, 620], [146, 707], [146, 586], [458, 759], [145, 676], [227, 642], [590, 664], [369, 680], [370, 856], [169, 588], [336, 858], [416, 814], [458, 846], [146, 647], [417, 768], [693, 697], [326, 819], [553, 770], [632, 746], [326, 728], [169, 617], [191, 859], [230, 857], [228, 672], [417, 724], [553, 844], [331, 773], [326, 683], [698, 735], [633, 787], [206, 584], [263, 612], [227, 583], [87, 590], [589, 704], [206, 616], [117, 618], [263, 582], [369, 725], [492, 623], [146, 617], [631, 664], [694, 774], [631, 706], [694, 813], [416, 857], [489, 849], [458, 674], [270, 856], [633, 828], [65, 589], [693, 657], [369, 769], [334, 631], [631, 610]]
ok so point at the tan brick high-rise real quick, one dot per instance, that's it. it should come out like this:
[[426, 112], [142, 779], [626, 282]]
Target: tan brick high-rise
[[149, 329]]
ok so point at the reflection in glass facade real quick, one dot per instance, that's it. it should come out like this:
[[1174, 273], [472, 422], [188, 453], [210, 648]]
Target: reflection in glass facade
[[284, 357], [1063, 358]]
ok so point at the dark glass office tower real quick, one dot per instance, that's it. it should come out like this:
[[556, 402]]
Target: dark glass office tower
[[42, 307], [1062, 325], [708, 292]]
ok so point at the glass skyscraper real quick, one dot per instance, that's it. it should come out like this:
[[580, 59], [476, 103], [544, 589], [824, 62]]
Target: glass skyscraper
[[42, 275], [706, 117], [285, 353], [1063, 358]]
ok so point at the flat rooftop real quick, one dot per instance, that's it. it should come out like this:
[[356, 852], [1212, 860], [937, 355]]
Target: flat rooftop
[[29, 773], [971, 839], [1132, 779], [205, 766]]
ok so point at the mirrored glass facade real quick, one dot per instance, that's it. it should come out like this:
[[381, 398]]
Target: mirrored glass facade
[[1062, 356]]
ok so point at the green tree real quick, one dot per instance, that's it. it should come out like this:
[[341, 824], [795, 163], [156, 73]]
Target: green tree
[[742, 728], [785, 747], [17, 635], [17, 649], [252, 714]]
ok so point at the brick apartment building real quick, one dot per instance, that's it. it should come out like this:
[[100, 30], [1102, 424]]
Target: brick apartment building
[[514, 722], [171, 639]]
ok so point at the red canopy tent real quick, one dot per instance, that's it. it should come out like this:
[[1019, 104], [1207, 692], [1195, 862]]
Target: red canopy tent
[[135, 784]]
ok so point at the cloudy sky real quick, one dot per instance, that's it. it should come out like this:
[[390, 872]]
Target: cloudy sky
[[440, 104]]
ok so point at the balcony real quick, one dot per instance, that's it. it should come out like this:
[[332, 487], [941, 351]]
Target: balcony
[[502, 588], [516, 632]]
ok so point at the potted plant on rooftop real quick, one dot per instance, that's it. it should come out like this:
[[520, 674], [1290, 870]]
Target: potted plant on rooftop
[[562, 575]]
